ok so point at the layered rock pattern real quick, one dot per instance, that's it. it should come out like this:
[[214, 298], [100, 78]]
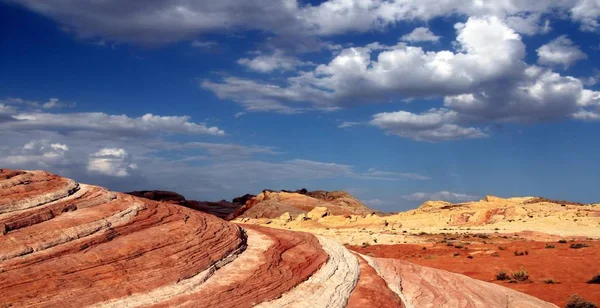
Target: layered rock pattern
[[73, 245], [270, 204]]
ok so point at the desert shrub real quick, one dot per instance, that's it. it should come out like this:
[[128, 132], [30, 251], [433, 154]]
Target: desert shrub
[[576, 301], [549, 281], [595, 279], [520, 275], [458, 246], [495, 254], [501, 248], [502, 275], [562, 241], [482, 235], [469, 257], [550, 246], [579, 245], [456, 254], [424, 248], [521, 253], [365, 245], [450, 245]]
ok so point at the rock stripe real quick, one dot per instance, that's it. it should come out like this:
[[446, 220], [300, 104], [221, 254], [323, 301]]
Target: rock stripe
[[329, 287]]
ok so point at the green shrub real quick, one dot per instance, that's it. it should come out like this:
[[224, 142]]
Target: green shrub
[[520, 275], [579, 245], [502, 275], [576, 301], [595, 279]]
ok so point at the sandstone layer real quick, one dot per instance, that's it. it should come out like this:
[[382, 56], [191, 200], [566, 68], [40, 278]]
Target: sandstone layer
[[270, 204], [491, 215], [72, 245]]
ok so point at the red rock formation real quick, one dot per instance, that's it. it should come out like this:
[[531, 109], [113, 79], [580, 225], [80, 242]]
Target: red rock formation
[[71, 245]]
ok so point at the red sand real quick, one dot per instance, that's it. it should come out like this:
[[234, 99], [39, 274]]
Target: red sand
[[571, 268]]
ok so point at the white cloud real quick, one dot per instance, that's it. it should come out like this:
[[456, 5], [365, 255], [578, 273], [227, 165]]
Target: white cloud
[[56, 103], [489, 51], [433, 125], [160, 22], [587, 13], [347, 124], [420, 34], [440, 195], [111, 162], [529, 24], [226, 150], [486, 80], [239, 114], [276, 61], [560, 51], [102, 123], [375, 174], [36, 154], [50, 104]]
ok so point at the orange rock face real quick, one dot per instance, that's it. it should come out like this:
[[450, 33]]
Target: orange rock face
[[67, 244]]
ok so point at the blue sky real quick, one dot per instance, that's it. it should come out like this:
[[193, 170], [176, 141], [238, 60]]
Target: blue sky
[[396, 102]]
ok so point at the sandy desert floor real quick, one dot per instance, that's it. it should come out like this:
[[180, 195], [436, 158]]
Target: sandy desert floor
[[569, 268]]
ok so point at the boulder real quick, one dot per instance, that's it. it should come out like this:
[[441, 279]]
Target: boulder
[[318, 212]]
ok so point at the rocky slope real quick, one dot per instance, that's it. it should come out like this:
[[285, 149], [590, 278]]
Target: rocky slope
[[71, 245], [270, 204], [541, 218], [222, 209]]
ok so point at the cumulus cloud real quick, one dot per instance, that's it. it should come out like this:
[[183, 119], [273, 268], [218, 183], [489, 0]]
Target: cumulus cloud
[[276, 61], [560, 51], [420, 34], [489, 50], [36, 154], [485, 80], [159, 22], [433, 125], [440, 195], [528, 23], [587, 13], [111, 161]]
